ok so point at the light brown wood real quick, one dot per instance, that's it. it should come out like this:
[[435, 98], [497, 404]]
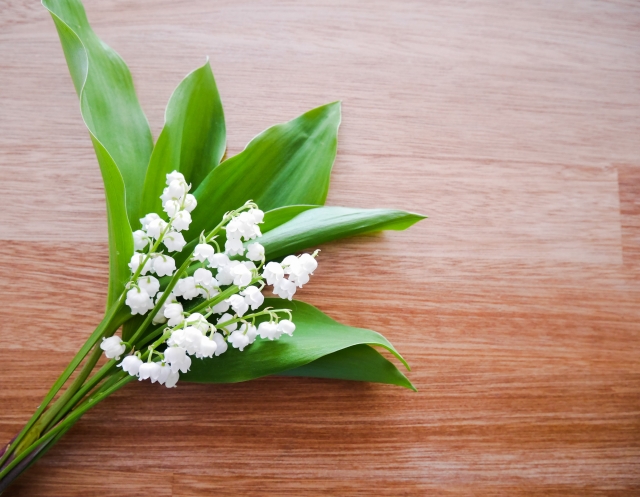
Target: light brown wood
[[515, 127]]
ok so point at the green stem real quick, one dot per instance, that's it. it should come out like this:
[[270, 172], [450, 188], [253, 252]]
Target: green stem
[[69, 420], [103, 328]]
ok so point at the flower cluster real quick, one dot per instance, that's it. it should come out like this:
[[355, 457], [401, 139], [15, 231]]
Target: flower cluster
[[226, 284]]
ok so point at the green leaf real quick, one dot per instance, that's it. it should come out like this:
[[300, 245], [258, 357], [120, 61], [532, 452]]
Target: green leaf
[[193, 139], [118, 127], [316, 336], [281, 215], [316, 226], [357, 363], [287, 164]]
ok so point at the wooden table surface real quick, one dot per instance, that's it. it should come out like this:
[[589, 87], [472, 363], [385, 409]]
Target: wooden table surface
[[514, 126]]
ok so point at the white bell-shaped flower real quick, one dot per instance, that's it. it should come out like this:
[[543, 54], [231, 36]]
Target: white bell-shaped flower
[[202, 252], [139, 301], [172, 379], [273, 272], [147, 219], [204, 277], [190, 203], [224, 276], [221, 343], [149, 371], [178, 188], [165, 372], [160, 318], [238, 304], [253, 297], [238, 340], [149, 284], [223, 319], [131, 364], [255, 251], [113, 347], [309, 263], [220, 307], [156, 227], [284, 289], [136, 260], [174, 241], [250, 331], [197, 320], [241, 275], [192, 339], [217, 261], [172, 206], [207, 347], [269, 330], [286, 326], [186, 288], [140, 240], [181, 221], [178, 359], [173, 313], [164, 265], [257, 215], [234, 246], [175, 176]]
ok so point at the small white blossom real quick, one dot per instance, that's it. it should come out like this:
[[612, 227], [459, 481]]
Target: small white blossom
[[171, 207], [190, 203], [273, 273], [150, 371], [136, 260], [269, 330], [131, 364], [160, 318], [308, 262], [186, 288], [197, 320], [178, 188], [202, 252], [139, 301], [223, 319], [238, 340], [174, 241], [221, 343], [220, 307], [181, 221], [284, 289], [207, 347], [149, 284], [147, 219], [175, 176], [165, 372], [156, 227], [217, 261], [286, 326], [238, 304], [234, 246], [203, 277], [178, 359], [253, 297], [224, 275], [256, 215], [172, 379], [241, 275], [164, 265], [173, 313], [255, 251], [140, 240], [113, 347]]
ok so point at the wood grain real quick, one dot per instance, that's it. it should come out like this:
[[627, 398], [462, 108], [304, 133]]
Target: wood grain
[[514, 126]]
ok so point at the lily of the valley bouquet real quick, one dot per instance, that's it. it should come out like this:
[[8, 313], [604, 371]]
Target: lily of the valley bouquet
[[195, 240]]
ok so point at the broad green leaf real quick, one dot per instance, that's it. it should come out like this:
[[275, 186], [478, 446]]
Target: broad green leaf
[[316, 226], [287, 164], [281, 215], [357, 363], [316, 336], [193, 139], [119, 130]]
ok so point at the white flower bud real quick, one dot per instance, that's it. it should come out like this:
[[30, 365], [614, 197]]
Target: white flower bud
[[309, 263], [156, 227], [256, 215], [171, 207], [165, 372], [238, 340], [269, 330], [178, 188], [173, 313], [238, 304], [190, 203], [178, 359], [172, 379]]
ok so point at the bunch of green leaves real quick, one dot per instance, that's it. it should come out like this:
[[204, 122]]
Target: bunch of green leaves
[[285, 169]]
